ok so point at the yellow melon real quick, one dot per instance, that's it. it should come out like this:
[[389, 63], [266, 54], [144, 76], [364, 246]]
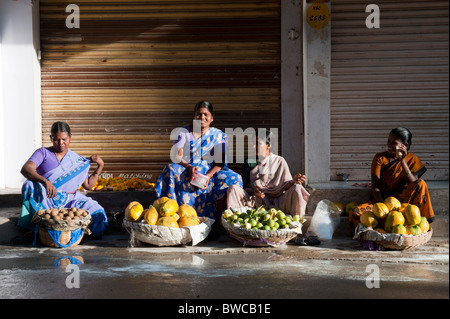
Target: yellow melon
[[412, 214], [340, 206], [151, 215], [394, 218], [392, 203], [127, 209], [424, 225], [159, 202], [188, 221], [349, 207], [186, 210], [413, 230], [136, 213], [380, 210], [403, 206], [399, 229], [169, 208], [168, 221], [368, 219]]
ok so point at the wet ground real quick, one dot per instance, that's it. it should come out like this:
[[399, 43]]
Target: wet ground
[[223, 270]]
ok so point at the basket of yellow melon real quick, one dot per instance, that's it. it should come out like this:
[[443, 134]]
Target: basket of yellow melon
[[165, 223], [394, 225]]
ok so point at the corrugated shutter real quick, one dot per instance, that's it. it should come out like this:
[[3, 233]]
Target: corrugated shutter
[[396, 75], [134, 70]]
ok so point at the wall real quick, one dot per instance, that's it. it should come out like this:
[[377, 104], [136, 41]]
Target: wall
[[20, 128]]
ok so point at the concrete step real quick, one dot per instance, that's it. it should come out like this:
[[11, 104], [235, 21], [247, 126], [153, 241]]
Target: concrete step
[[334, 191]]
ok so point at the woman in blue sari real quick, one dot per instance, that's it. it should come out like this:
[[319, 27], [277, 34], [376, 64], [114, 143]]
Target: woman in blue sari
[[198, 148], [54, 175]]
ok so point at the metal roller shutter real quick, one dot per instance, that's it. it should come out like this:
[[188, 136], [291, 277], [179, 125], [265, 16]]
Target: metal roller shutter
[[134, 70], [396, 75]]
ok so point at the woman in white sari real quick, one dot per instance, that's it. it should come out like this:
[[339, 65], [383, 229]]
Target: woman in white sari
[[268, 181]]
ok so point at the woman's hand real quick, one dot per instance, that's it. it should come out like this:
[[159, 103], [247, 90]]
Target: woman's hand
[[51, 189], [401, 151], [191, 170], [299, 179], [98, 160], [259, 194]]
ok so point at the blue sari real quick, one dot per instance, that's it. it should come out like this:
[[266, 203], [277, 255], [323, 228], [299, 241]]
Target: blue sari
[[174, 181], [66, 177]]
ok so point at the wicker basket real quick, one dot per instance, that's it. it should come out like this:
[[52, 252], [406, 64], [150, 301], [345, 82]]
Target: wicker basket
[[393, 241], [167, 236], [65, 227], [64, 239], [260, 238]]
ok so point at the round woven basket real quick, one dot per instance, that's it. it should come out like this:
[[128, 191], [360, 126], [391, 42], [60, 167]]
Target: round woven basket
[[64, 226], [64, 239], [167, 236], [407, 242], [257, 237]]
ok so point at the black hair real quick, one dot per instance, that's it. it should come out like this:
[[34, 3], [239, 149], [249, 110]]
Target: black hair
[[60, 127], [403, 134], [266, 136], [204, 104]]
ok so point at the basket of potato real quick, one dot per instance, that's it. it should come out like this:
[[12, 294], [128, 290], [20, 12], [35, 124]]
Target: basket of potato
[[62, 227]]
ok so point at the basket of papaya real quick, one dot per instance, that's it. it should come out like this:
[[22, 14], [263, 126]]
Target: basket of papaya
[[261, 226], [61, 227], [165, 223], [393, 225]]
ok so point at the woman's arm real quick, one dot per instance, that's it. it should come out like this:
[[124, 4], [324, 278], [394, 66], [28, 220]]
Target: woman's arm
[[29, 172], [376, 192], [90, 182]]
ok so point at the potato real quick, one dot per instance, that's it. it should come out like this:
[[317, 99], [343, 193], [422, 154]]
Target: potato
[[47, 216]]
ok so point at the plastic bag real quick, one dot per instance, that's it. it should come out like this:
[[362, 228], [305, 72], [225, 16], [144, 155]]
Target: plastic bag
[[325, 220]]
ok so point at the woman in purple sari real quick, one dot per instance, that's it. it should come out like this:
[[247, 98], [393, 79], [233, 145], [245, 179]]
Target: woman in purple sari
[[54, 175]]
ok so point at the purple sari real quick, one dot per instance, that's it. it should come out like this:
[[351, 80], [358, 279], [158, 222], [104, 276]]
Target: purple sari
[[67, 177]]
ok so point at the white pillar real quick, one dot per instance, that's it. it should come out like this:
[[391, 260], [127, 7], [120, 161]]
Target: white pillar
[[292, 130], [317, 68], [20, 114]]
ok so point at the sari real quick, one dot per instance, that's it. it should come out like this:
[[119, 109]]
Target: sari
[[67, 177], [271, 176], [393, 183], [174, 181]]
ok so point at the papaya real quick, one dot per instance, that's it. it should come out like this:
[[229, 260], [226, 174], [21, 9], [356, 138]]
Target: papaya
[[169, 208], [380, 210], [168, 221], [403, 206], [412, 214], [159, 202], [136, 213], [349, 207], [151, 215], [392, 203], [186, 210], [394, 218], [127, 209], [368, 219], [399, 229], [424, 225], [188, 221], [339, 206], [413, 230]]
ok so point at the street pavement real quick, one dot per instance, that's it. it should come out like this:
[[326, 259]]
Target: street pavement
[[217, 268]]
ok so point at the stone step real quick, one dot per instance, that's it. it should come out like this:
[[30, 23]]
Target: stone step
[[333, 191]]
